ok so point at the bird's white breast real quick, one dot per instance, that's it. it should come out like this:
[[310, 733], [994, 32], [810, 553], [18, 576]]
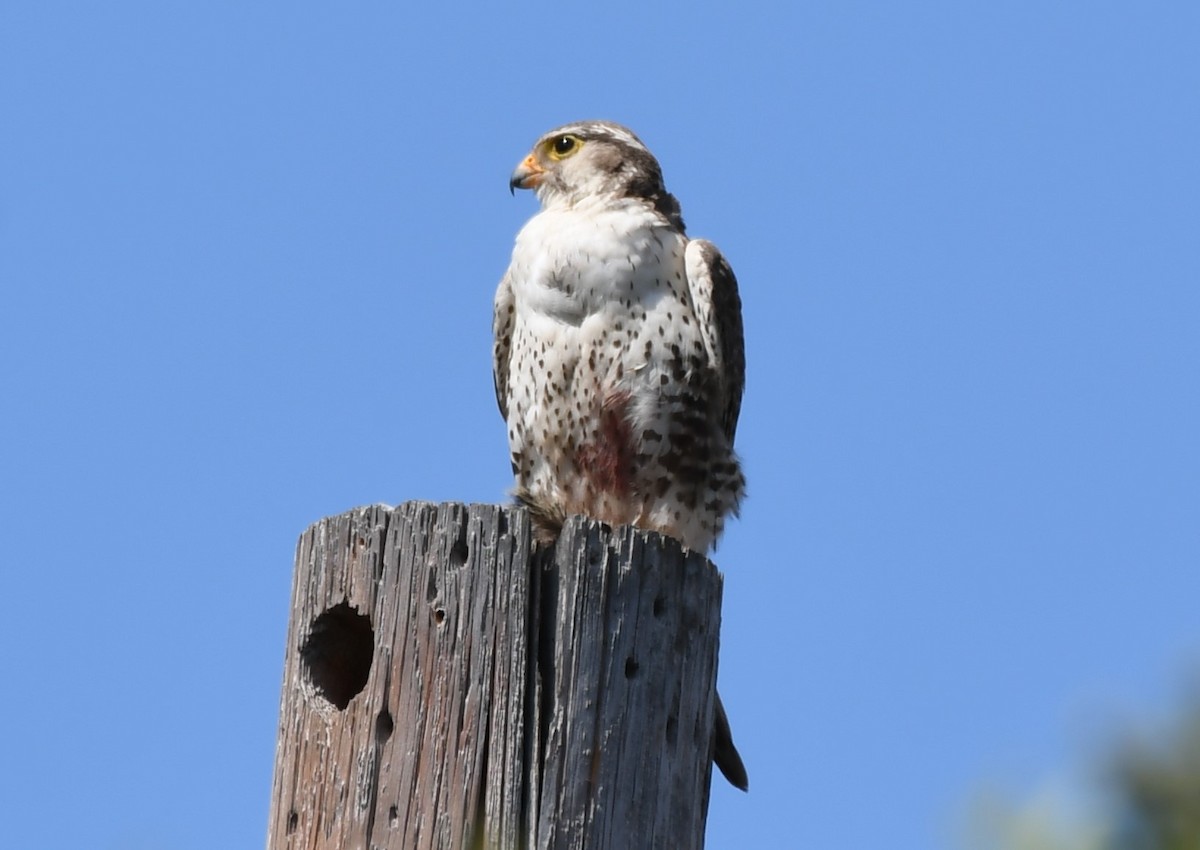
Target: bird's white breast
[[608, 384], [602, 308], [572, 264]]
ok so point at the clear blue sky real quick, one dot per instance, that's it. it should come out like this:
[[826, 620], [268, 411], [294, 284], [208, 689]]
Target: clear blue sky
[[247, 257]]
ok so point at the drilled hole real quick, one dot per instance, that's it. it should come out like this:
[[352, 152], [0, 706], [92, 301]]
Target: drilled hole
[[631, 667], [337, 654], [660, 605], [292, 821], [393, 817], [459, 554], [384, 726], [439, 615]]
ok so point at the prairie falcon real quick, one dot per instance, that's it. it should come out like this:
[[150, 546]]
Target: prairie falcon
[[618, 357]]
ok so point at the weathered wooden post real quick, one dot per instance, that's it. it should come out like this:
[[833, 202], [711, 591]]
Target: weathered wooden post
[[446, 687]]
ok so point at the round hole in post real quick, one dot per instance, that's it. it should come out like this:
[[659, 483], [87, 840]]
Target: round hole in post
[[337, 653], [384, 725]]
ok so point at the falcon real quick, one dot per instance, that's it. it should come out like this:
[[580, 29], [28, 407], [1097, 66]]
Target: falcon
[[618, 357]]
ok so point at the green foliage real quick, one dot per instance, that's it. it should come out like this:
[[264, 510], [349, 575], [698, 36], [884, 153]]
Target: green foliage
[[1152, 793], [1158, 789]]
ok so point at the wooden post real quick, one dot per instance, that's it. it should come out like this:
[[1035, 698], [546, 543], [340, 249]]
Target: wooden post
[[445, 687]]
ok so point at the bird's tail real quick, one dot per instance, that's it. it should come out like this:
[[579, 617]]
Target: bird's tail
[[725, 754]]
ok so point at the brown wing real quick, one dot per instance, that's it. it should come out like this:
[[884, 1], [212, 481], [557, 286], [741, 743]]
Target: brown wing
[[719, 309], [502, 325]]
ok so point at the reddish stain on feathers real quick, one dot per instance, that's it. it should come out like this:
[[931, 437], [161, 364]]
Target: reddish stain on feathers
[[608, 462]]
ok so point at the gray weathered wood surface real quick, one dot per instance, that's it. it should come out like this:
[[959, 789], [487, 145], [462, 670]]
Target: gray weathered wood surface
[[446, 688]]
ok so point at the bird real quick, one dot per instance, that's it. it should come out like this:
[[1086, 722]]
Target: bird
[[618, 357]]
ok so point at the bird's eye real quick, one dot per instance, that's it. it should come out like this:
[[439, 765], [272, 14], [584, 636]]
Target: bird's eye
[[560, 147]]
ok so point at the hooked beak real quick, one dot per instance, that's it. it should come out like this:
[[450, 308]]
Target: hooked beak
[[527, 175]]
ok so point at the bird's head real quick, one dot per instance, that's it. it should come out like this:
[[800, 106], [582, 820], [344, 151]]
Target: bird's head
[[593, 160]]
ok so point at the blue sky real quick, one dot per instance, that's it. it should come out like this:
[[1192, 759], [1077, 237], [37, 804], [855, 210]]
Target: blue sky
[[247, 256]]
